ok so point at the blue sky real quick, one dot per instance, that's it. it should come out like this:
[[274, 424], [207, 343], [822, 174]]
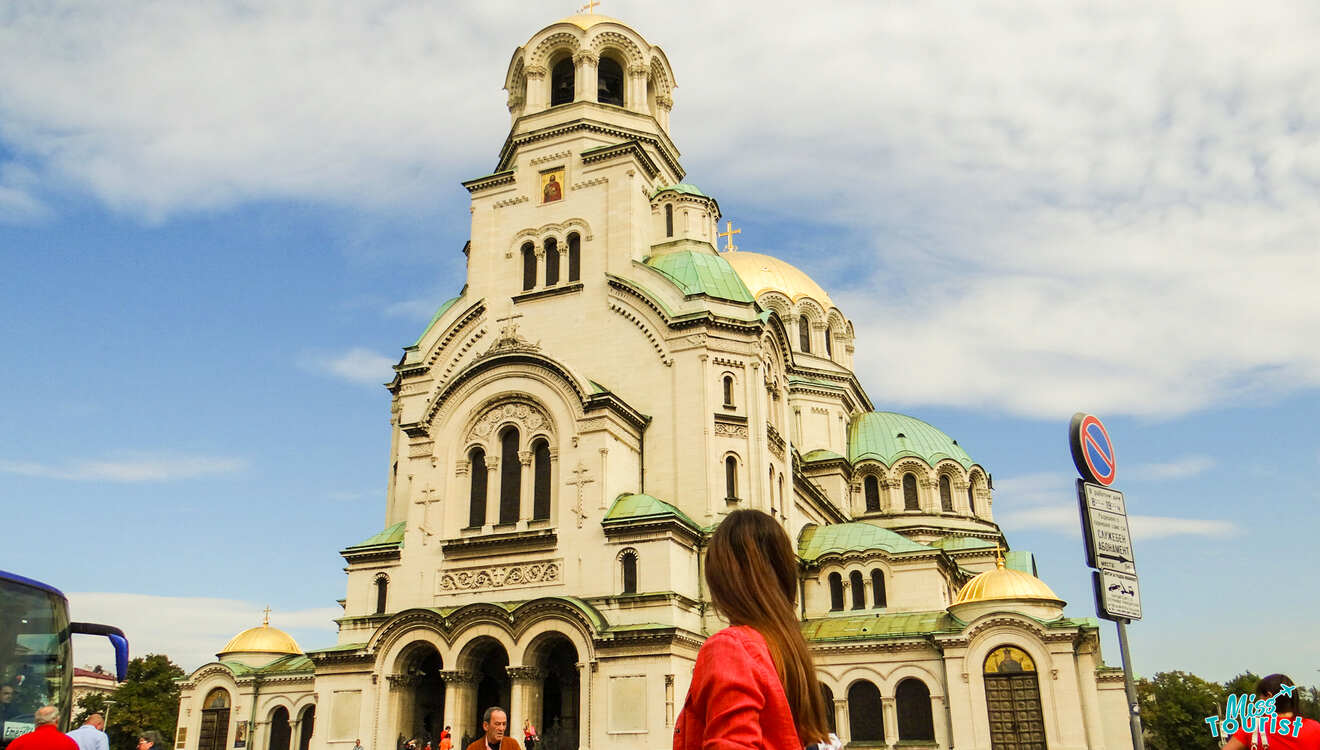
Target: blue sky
[[221, 222]]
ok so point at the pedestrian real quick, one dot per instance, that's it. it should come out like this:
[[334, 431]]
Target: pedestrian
[[446, 739], [148, 740], [495, 721], [529, 735], [357, 745], [91, 735], [1271, 734], [754, 685], [46, 735]]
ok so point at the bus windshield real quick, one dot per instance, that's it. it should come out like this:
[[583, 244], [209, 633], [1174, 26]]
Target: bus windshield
[[34, 654]]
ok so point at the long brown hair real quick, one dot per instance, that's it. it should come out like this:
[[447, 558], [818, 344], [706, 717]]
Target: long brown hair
[[753, 576]]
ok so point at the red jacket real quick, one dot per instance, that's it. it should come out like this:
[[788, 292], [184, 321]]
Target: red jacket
[[44, 737], [736, 701]]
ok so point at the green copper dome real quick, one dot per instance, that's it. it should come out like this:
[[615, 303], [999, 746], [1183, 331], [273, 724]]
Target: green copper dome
[[696, 272], [886, 437], [682, 187]]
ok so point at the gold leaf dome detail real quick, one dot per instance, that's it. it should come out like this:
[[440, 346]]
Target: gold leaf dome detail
[[764, 273], [1005, 583], [262, 639]]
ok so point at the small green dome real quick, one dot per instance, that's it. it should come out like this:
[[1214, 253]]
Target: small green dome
[[887, 436], [816, 541], [682, 187], [696, 272]]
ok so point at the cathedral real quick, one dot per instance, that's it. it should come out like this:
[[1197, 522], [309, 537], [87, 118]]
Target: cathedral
[[567, 432]]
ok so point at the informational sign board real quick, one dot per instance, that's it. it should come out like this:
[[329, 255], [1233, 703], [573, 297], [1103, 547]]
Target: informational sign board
[[1117, 595], [1105, 529]]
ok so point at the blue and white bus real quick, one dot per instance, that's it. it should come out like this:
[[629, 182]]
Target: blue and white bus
[[36, 656]]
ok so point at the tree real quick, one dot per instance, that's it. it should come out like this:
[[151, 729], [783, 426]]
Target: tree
[[1243, 684], [1173, 710], [92, 703], [147, 699]]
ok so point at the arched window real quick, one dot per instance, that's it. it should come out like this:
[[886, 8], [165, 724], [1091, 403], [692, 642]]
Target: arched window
[[804, 334], [382, 592], [280, 731], [971, 496], [910, 492], [540, 480], [214, 732], [878, 597], [477, 497], [669, 220], [609, 82], [858, 590], [728, 390], [574, 257], [915, 719], [561, 82], [829, 342], [628, 562], [872, 487], [836, 592], [510, 476], [828, 695], [730, 478], [946, 494], [770, 490], [529, 266], [551, 261], [306, 725], [865, 712], [783, 509]]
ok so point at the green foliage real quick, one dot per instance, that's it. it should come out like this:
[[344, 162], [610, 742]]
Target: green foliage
[[1243, 684], [147, 699], [92, 703], [1173, 710]]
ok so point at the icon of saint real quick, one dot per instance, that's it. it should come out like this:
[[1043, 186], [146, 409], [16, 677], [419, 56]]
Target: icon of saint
[[552, 191]]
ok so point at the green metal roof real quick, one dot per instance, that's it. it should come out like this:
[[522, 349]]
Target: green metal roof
[[815, 541], [879, 625], [1021, 561], [444, 308], [696, 272], [951, 543], [391, 536], [636, 507], [291, 664], [337, 647], [685, 188], [887, 437], [821, 454]]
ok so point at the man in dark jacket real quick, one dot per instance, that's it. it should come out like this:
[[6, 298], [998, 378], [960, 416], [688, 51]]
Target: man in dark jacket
[[495, 721]]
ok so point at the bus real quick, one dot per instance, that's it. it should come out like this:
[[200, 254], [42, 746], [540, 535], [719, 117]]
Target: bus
[[36, 658]]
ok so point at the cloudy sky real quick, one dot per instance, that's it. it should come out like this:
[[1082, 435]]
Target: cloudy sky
[[220, 220]]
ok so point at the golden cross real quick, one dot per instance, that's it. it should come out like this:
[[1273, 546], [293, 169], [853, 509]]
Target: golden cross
[[728, 235], [999, 554], [265, 619], [589, 7]]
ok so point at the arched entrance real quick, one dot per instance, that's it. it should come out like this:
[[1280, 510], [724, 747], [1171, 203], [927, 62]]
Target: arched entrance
[[214, 734], [490, 667], [422, 694], [280, 731], [555, 659], [306, 723], [1012, 696]]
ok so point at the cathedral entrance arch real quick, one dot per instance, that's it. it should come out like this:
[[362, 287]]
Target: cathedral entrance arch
[[214, 734], [280, 730], [421, 706], [557, 694], [488, 662], [1012, 696]]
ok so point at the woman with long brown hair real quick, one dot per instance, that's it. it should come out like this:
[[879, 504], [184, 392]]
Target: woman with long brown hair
[[754, 685]]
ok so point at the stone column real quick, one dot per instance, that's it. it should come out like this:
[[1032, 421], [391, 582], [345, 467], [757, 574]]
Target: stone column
[[537, 97], [584, 90], [841, 720], [890, 719], [492, 491], [460, 702], [584, 705], [662, 106], [401, 703], [525, 489], [939, 720], [554, 487], [636, 88], [524, 698]]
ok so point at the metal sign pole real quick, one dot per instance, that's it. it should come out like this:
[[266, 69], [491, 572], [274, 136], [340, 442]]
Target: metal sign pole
[[1134, 706]]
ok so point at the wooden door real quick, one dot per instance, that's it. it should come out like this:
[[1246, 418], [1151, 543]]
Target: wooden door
[[215, 729], [1016, 719]]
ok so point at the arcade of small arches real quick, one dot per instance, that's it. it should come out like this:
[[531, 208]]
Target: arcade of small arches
[[281, 722], [855, 591], [543, 261], [919, 492], [511, 448], [812, 329]]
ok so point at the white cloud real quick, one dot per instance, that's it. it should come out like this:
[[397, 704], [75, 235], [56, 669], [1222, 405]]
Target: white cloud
[[1182, 468], [1158, 527], [1048, 208], [188, 629], [139, 468], [357, 365]]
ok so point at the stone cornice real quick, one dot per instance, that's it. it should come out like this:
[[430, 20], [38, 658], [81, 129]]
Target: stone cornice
[[510, 543], [665, 149], [553, 291], [498, 179], [631, 148]]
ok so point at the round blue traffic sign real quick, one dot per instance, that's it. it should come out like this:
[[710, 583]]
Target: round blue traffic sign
[[1092, 451]]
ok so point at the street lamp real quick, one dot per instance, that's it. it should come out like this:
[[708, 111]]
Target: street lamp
[[108, 704]]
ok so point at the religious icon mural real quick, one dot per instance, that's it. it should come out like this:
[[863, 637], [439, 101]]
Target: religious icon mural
[[552, 185]]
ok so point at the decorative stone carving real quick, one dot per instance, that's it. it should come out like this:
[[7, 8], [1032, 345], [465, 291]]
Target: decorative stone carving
[[525, 458], [730, 430], [458, 677], [502, 576], [530, 674], [404, 681], [527, 417]]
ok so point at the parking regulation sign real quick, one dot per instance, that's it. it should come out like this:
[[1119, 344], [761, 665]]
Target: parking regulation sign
[[1117, 595], [1105, 529], [1092, 451]]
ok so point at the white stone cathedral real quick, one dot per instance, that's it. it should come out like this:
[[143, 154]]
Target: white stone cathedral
[[570, 428]]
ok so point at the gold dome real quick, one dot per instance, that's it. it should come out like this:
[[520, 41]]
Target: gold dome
[[1005, 583], [585, 21], [262, 639], [764, 273]]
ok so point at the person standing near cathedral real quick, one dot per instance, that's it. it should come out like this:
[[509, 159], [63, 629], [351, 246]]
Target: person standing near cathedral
[[47, 735], [754, 685], [91, 735], [495, 722]]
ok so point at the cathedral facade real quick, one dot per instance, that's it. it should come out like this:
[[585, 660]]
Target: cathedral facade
[[567, 432]]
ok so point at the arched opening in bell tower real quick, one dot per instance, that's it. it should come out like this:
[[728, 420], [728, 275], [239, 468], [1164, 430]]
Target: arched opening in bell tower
[[609, 81], [561, 81]]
